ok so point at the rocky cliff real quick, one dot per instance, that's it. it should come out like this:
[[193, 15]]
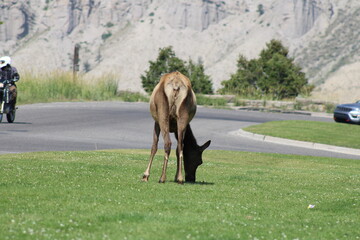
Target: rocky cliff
[[119, 37]]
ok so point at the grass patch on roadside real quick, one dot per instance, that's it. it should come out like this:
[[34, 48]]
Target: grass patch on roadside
[[60, 86], [240, 195], [338, 134], [208, 101]]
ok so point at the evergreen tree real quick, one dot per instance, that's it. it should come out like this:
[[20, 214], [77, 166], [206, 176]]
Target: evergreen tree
[[274, 73], [167, 62], [281, 77], [200, 82], [274, 46], [244, 81]]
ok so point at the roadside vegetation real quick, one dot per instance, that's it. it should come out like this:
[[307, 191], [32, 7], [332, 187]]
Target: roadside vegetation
[[240, 195], [338, 134], [61, 86], [167, 62], [209, 101], [273, 74]]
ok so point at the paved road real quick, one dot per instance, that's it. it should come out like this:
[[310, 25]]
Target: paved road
[[113, 125]]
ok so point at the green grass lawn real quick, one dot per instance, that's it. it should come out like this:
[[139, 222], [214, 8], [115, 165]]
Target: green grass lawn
[[338, 134], [240, 195]]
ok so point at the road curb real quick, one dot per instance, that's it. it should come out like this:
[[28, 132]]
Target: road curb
[[296, 143]]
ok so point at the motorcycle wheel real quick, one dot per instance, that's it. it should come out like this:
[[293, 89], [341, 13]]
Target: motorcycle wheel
[[10, 116], [1, 115]]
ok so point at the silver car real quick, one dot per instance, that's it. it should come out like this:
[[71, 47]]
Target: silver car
[[348, 113]]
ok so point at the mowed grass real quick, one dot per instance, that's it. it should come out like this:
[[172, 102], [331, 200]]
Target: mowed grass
[[338, 134], [239, 195]]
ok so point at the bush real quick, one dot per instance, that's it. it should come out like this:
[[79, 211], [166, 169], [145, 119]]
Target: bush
[[201, 83], [260, 9], [167, 62], [208, 101], [106, 35], [133, 97], [274, 74], [330, 107], [109, 24]]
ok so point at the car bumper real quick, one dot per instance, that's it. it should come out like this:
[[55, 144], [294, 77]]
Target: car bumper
[[346, 117]]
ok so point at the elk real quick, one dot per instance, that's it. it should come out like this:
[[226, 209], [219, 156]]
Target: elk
[[173, 106]]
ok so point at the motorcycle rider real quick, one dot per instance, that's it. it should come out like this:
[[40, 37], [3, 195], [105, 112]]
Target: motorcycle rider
[[8, 72]]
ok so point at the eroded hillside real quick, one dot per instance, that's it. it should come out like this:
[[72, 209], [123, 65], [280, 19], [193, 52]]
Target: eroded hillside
[[119, 37]]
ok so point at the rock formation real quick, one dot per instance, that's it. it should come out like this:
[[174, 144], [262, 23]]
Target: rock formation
[[120, 37]]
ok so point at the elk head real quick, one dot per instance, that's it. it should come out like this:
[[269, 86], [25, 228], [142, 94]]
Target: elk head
[[192, 155]]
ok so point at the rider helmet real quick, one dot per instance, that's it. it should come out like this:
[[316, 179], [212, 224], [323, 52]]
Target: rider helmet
[[4, 61]]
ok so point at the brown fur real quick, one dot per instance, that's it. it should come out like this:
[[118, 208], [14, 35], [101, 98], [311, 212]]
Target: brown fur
[[172, 105]]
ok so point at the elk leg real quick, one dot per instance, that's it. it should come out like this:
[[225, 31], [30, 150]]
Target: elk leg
[[177, 157], [167, 149], [180, 158], [153, 151]]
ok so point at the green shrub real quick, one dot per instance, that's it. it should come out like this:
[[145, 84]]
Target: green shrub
[[260, 9], [109, 25], [133, 97], [330, 107], [239, 102], [201, 83], [167, 62], [273, 73], [298, 105], [106, 35], [208, 101]]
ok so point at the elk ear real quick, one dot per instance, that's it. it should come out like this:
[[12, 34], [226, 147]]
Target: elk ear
[[205, 146]]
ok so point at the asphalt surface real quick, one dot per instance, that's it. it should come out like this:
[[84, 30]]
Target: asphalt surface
[[116, 125]]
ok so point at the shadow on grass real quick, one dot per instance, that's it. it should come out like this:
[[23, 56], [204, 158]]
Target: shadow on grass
[[193, 183], [200, 183]]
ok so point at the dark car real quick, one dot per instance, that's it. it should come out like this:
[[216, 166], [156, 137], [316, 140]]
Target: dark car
[[348, 113]]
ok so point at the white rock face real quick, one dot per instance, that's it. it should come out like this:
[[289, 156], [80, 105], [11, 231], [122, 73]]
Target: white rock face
[[197, 15], [119, 37]]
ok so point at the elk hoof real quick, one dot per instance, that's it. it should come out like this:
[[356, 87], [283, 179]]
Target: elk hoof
[[161, 181], [180, 182], [145, 178]]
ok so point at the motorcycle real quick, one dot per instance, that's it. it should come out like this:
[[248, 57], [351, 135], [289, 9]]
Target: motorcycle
[[6, 106]]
